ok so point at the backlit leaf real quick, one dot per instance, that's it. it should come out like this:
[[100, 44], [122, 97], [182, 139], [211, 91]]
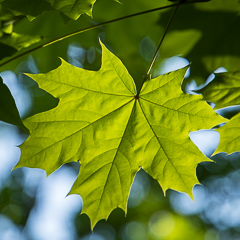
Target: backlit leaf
[[33, 8], [224, 91], [11, 43], [112, 131], [19, 41], [73, 8]]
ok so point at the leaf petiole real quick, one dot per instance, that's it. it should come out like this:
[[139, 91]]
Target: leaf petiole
[[148, 75]]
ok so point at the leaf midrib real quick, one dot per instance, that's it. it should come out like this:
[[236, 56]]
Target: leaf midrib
[[172, 108], [161, 146], [115, 158]]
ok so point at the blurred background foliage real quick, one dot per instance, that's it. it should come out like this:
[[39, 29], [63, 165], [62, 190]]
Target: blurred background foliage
[[205, 34]]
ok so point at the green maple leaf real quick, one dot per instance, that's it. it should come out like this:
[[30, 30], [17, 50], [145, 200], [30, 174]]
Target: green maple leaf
[[224, 91], [101, 122]]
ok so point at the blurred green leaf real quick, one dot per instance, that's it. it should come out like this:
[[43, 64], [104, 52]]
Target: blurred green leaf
[[33, 8], [8, 108], [73, 8], [220, 5], [189, 1], [15, 200], [6, 29], [12, 43], [181, 48], [218, 45], [30, 8], [6, 51], [230, 136], [224, 90], [19, 41]]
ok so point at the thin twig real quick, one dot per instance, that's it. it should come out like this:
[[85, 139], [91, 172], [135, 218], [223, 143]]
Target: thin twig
[[84, 30], [159, 45]]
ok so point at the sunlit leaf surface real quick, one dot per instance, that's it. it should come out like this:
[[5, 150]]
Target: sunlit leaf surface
[[102, 122], [224, 91]]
